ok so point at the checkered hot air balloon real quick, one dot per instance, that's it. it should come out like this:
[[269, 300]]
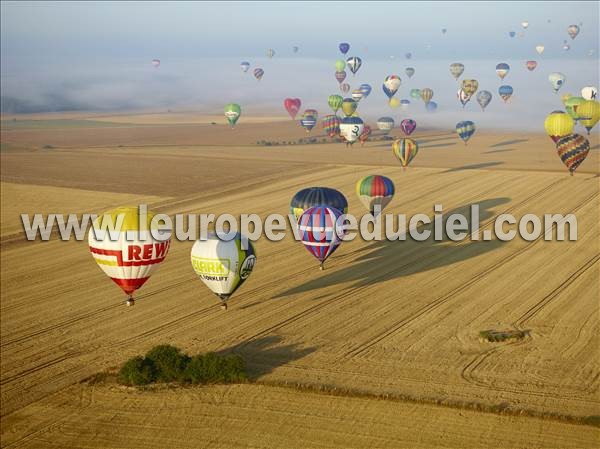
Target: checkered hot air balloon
[[320, 231], [572, 150], [465, 130], [375, 192], [405, 150], [131, 254]]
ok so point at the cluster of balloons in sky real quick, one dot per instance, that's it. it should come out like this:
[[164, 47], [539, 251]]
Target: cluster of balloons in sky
[[225, 265]]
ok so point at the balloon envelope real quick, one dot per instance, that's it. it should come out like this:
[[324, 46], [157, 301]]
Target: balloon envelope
[[331, 125], [502, 70], [483, 98], [354, 64], [321, 231], [340, 76], [131, 255], [558, 124], [245, 66], [335, 102], [409, 71], [222, 265], [344, 47], [572, 150], [405, 150], [465, 130], [385, 124], [557, 80], [258, 73], [351, 128], [292, 106], [589, 93], [456, 69], [349, 106], [531, 65], [408, 126], [315, 196], [375, 192], [232, 112], [505, 92]]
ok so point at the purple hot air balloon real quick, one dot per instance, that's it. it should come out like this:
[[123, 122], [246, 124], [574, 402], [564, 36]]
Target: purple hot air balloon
[[340, 76], [408, 126], [344, 47]]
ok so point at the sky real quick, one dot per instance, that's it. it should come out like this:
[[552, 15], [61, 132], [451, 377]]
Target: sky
[[96, 55]]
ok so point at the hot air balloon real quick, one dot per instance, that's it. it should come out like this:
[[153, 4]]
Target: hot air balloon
[[232, 113], [340, 76], [415, 94], [539, 49], [375, 192], [558, 124], [408, 55], [321, 231], [557, 80], [365, 134], [589, 92], [357, 94], [131, 255], [354, 64], [565, 97], [344, 47], [156, 63], [308, 121], [351, 128], [572, 150], [385, 124], [444, 30], [408, 126], [405, 150], [531, 65], [331, 125], [426, 95], [317, 196], [394, 102], [465, 130], [566, 47], [463, 97], [258, 73], [410, 71], [270, 53], [404, 103], [512, 33], [349, 106], [335, 102], [573, 31], [470, 87], [345, 87], [292, 106], [457, 69], [525, 24], [365, 89], [572, 105], [431, 106], [295, 49], [340, 65], [483, 98], [502, 70], [312, 112], [391, 84], [245, 65], [222, 265], [589, 114], [505, 92]]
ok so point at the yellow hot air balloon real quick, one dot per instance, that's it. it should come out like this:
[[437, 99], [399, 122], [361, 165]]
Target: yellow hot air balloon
[[394, 102], [349, 106], [132, 250], [589, 114], [565, 97], [559, 124]]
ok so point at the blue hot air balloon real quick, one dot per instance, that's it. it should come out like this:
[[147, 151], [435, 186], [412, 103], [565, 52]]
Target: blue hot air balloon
[[465, 130], [344, 47]]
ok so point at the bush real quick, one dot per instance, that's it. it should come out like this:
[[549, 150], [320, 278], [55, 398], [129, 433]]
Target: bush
[[212, 368], [137, 371], [168, 361]]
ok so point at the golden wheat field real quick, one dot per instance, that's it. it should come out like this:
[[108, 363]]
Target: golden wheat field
[[381, 349]]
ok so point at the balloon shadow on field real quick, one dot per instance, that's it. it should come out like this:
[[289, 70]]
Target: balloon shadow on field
[[508, 142], [474, 166], [263, 355], [385, 260], [499, 151]]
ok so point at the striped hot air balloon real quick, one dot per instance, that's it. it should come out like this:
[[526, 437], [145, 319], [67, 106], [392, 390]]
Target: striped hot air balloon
[[502, 70], [320, 231], [405, 150], [133, 252], [308, 120], [340, 76], [589, 114], [354, 64], [258, 73], [505, 92], [572, 150], [385, 124], [331, 125], [426, 95], [375, 192], [465, 130]]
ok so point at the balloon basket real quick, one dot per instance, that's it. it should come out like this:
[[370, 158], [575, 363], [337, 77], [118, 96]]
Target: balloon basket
[[130, 301]]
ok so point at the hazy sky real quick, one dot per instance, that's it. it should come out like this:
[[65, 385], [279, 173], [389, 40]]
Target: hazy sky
[[96, 55]]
